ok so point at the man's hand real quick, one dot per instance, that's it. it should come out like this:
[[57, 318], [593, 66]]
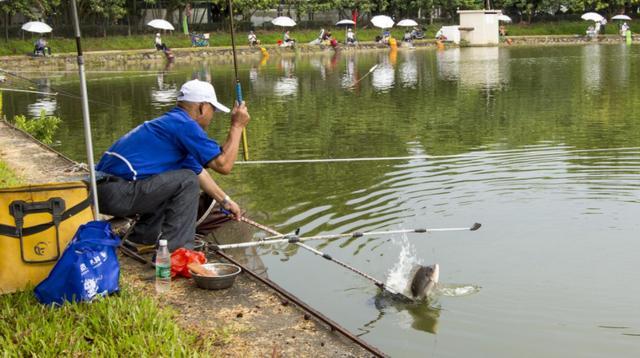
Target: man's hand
[[234, 208], [239, 120], [239, 115]]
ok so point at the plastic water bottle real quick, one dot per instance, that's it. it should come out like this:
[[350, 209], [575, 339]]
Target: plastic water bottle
[[163, 268]]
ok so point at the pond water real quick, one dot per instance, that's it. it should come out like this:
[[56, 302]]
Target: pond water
[[540, 145]]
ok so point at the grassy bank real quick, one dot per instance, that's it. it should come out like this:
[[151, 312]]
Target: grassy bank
[[559, 28], [129, 324], [177, 40], [7, 177]]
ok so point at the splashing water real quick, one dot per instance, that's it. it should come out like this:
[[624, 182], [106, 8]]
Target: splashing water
[[457, 290], [398, 276]]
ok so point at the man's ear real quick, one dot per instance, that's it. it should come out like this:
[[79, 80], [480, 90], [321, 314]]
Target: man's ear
[[200, 108]]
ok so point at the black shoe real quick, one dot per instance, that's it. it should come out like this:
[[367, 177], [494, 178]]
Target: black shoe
[[139, 248]]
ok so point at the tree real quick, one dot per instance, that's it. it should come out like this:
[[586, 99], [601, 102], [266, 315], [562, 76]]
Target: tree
[[246, 8], [110, 10]]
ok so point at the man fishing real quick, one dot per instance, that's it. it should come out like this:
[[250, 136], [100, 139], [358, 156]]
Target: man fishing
[[155, 171]]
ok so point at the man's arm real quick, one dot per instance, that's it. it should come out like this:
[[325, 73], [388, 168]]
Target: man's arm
[[209, 186], [225, 161]]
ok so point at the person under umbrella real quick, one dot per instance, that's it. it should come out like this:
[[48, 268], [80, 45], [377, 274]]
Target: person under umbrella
[[351, 37], [161, 46], [623, 29], [41, 47], [407, 37], [288, 41]]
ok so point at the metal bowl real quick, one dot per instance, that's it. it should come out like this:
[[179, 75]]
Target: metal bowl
[[226, 276]]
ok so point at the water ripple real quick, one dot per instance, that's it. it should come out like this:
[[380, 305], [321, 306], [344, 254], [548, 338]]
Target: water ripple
[[444, 184]]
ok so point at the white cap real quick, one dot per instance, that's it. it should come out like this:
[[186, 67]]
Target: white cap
[[157, 34], [199, 91], [162, 242]]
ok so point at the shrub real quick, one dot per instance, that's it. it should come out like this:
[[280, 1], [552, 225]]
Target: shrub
[[42, 128]]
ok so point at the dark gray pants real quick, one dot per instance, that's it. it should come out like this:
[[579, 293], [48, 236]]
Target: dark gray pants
[[167, 204]]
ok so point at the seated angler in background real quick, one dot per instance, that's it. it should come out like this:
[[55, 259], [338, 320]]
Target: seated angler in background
[[253, 39], [351, 37], [288, 41], [41, 48]]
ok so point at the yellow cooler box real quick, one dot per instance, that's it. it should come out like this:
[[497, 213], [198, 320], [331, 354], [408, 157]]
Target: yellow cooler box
[[36, 224]]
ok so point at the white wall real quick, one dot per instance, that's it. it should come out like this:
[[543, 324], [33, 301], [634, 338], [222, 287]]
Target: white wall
[[484, 24]]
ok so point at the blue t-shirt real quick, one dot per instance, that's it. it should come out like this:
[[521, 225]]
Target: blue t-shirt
[[170, 142]]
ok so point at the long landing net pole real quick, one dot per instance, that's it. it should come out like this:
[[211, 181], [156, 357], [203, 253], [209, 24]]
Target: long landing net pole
[[377, 282], [85, 113], [289, 296]]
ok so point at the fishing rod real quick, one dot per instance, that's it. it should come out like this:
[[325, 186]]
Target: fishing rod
[[59, 91], [245, 147], [326, 256], [28, 91], [292, 238], [365, 75], [333, 160]]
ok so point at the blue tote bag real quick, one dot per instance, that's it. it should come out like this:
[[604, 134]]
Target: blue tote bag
[[88, 268]]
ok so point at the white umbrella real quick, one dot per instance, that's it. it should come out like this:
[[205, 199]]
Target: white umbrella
[[407, 23], [36, 26], [160, 24], [621, 17], [345, 22], [382, 21], [283, 21], [592, 16], [503, 17]]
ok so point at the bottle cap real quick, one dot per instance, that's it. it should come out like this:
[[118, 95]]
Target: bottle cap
[[162, 242]]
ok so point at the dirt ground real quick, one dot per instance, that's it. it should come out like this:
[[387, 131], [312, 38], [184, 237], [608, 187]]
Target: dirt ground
[[260, 322], [247, 320]]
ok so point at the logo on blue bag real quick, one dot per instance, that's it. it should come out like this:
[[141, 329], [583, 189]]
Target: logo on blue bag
[[90, 287], [97, 260], [39, 248]]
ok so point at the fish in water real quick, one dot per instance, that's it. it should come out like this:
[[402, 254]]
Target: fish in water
[[420, 285], [424, 280]]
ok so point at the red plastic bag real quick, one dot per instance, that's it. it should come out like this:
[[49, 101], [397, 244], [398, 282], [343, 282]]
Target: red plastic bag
[[183, 257]]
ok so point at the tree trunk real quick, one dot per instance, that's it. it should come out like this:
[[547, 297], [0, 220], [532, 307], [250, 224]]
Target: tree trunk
[[6, 26]]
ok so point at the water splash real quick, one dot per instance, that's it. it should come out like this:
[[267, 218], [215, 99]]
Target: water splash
[[398, 276], [457, 290]]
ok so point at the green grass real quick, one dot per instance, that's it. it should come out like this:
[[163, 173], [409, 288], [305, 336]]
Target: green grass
[[558, 28], [129, 324], [178, 40], [138, 42], [7, 177]]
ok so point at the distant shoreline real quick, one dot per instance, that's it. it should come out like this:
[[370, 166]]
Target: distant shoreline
[[122, 57]]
